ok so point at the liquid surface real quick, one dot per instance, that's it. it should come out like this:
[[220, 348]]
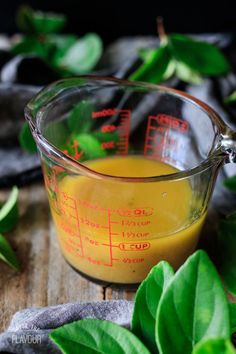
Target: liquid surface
[[116, 231]]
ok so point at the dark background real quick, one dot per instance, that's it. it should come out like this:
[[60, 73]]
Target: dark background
[[113, 19]]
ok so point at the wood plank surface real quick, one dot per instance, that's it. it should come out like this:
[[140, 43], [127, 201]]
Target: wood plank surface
[[45, 278]]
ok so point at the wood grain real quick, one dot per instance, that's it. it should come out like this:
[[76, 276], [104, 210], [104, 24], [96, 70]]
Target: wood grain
[[45, 279]]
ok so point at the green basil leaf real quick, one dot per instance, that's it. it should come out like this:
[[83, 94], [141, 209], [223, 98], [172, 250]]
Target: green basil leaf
[[231, 98], [80, 117], [147, 53], [154, 67], [214, 346], [232, 315], [185, 73], [170, 70], [48, 22], [202, 57], [7, 254], [146, 302], [30, 21], [227, 251], [193, 307], [31, 45], [230, 183], [26, 139], [92, 336], [88, 147], [83, 55], [57, 134], [60, 44], [9, 214], [24, 19]]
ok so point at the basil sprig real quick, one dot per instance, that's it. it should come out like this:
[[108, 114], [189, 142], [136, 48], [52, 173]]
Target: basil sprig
[[182, 56], [186, 312], [66, 54], [8, 218]]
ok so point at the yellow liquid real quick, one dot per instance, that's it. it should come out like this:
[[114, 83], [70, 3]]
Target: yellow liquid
[[117, 231]]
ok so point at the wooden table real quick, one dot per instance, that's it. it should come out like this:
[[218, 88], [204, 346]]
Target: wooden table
[[46, 279]]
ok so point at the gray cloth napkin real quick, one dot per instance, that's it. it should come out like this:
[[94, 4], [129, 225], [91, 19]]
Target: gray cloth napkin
[[29, 328]]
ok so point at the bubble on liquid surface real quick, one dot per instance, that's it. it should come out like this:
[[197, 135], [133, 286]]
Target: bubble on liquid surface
[[164, 194]]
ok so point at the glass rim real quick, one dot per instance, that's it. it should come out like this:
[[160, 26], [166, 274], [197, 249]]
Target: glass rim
[[214, 159]]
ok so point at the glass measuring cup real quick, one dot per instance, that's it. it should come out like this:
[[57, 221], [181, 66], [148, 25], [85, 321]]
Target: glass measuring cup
[[129, 169]]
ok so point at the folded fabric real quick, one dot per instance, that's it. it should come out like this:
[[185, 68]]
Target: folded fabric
[[29, 328]]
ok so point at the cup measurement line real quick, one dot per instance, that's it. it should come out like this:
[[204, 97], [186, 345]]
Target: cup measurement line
[[123, 131], [74, 207], [71, 207], [107, 244], [153, 143], [146, 146], [79, 230], [109, 234]]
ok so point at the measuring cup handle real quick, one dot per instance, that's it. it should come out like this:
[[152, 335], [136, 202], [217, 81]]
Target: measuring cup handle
[[228, 145]]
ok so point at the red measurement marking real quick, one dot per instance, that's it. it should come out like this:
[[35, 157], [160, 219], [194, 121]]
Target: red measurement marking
[[91, 241], [94, 261], [79, 231], [108, 128], [141, 246], [136, 223], [104, 113], [157, 134], [110, 235], [66, 228], [90, 223], [124, 131], [133, 260], [106, 264], [72, 241], [76, 153], [108, 244], [55, 188], [122, 126], [172, 122], [137, 212], [107, 145], [149, 127], [87, 204], [160, 130], [69, 202], [58, 169], [131, 234], [69, 248]]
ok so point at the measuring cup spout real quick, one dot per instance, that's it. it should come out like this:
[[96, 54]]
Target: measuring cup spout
[[228, 145]]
